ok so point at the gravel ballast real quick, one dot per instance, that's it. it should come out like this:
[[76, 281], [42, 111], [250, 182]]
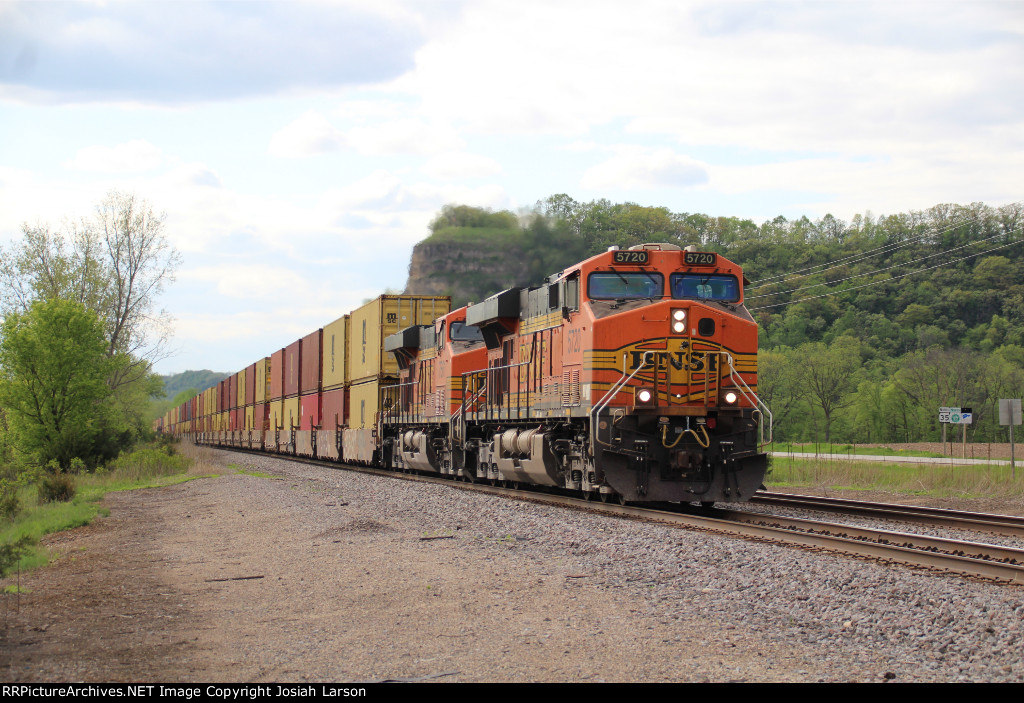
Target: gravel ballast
[[323, 574]]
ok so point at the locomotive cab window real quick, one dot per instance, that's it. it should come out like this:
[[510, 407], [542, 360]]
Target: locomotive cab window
[[572, 292], [624, 285], [703, 286], [461, 332]]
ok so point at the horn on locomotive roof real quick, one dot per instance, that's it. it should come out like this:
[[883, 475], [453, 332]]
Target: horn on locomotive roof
[[656, 246]]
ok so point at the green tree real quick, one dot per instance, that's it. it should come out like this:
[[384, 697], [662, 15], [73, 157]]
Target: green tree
[[115, 264], [54, 374], [829, 376]]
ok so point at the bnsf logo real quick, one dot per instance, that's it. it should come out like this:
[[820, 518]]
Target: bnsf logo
[[694, 360]]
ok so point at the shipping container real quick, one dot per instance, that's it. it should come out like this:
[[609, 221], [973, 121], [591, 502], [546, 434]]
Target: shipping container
[[250, 384], [292, 368], [240, 390], [262, 380], [379, 318], [310, 408], [277, 375], [335, 357], [332, 408], [312, 363], [364, 403], [232, 401], [290, 413], [274, 409]]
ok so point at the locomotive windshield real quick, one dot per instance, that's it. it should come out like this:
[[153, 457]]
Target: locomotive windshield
[[705, 286], [625, 285]]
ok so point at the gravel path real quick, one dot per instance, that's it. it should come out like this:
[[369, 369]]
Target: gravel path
[[321, 574]]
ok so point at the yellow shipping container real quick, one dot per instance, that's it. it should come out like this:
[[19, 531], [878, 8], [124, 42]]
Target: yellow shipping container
[[276, 407], [364, 402], [290, 413], [240, 390], [262, 379], [334, 368], [382, 317]]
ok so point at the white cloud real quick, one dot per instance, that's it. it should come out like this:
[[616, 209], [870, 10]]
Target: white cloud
[[261, 282], [404, 136], [153, 52], [309, 135], [458, 165], [135, 156], [640, 167]]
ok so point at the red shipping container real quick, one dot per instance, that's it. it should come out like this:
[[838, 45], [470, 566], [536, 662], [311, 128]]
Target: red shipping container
[[250, 384], [232, 393], [292, 368], [312, 351], [332, 409], [261, 417], [277, 375], [310, 411]]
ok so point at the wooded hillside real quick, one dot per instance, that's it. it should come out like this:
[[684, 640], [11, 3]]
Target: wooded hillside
[[867, 326]]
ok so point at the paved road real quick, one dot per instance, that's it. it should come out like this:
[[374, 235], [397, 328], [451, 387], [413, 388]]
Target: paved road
[[953, 461]]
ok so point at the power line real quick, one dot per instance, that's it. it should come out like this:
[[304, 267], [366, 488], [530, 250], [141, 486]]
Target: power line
[[894, 278], [932, 232], [882, 270]]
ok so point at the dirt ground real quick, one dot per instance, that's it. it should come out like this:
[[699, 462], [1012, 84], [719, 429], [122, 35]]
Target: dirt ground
[[233, 579], [246, 578]]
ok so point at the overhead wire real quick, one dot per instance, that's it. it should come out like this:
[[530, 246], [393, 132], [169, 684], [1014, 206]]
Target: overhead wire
[[885, 248], [894, 278], [881, 270]]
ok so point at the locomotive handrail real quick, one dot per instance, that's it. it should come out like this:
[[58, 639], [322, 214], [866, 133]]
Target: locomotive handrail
[[398, 403], [487, 371], [610, 394], [752, 398], [460, 434]]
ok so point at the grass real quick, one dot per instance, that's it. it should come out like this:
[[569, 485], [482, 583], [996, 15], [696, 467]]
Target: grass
[[941, 480], [145, 468], [257, 474]]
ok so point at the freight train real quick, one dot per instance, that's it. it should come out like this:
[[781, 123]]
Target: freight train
[[631, 375]]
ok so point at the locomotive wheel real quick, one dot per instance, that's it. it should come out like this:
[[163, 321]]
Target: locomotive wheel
[[588, 496], [604, 497], [622, 499]]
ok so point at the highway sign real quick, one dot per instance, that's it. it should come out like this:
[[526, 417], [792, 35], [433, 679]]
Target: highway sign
[[956, 416]]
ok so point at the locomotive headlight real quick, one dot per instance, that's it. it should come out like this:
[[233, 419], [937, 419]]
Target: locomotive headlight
[[644, 395], [730, 397], [679, 321]]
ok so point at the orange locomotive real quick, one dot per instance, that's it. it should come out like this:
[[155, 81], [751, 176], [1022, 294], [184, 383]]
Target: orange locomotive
[[632, 374]]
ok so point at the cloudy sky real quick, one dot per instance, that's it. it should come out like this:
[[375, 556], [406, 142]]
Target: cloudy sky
[[300, 149]]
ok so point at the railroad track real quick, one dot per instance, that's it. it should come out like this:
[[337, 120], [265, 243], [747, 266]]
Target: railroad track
[[1009, 525], [973, 559]]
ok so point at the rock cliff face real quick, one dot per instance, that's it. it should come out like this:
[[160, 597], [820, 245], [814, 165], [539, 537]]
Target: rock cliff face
[[468, 271]]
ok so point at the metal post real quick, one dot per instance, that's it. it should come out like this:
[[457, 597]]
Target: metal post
[[1013, 466]]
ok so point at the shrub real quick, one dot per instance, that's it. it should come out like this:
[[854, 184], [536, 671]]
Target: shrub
[[56, 487]]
